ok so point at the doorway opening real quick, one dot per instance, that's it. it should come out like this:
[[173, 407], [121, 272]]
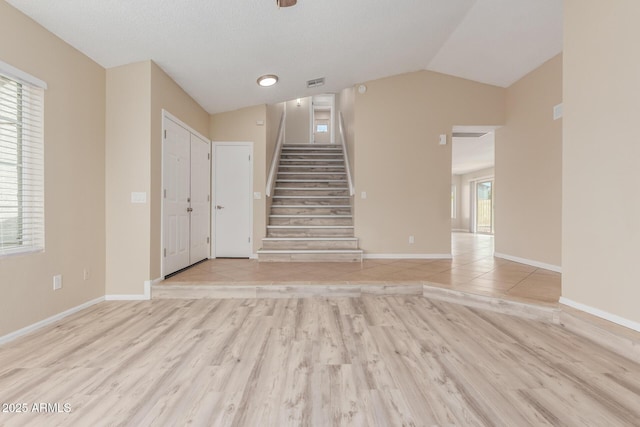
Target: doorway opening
[[322, 119], [472, 179]]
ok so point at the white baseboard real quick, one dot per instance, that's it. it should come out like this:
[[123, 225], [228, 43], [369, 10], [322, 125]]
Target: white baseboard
[[407, 256], [551, 267], [460, 230], [601, 314], [254, 256], [136, 297], [49, 320]]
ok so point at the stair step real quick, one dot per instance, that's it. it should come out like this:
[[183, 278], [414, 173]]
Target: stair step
[[312, 180], [312, 193], [311, 216], [312, 160], [309, 231], [309, 148], [308, 226], [294, 153], [312, 188], [311, 220], [310, 183], [311, 197], [310, 256], [313, 206], [310, 243], [311, 173]]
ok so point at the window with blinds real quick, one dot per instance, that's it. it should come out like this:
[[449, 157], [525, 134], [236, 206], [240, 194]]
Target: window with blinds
[[21, 165]]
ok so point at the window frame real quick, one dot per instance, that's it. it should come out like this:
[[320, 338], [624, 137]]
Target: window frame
[[23, 150]]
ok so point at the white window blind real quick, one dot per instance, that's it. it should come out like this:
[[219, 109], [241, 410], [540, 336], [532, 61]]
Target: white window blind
[[21, 164]]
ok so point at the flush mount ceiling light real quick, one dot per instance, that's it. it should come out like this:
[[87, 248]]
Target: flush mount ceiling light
[[267, 80], [286, 3]]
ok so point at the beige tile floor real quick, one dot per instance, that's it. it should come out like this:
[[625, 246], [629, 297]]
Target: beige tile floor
[[473, 269]]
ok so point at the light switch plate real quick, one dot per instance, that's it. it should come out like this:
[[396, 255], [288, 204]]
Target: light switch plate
[[138, 197], [257, 195], [363, 195]]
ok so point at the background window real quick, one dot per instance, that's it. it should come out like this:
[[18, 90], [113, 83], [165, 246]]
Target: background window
[[322, 128], [21, 166], [453, 202]]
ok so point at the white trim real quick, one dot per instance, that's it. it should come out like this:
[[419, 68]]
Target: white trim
[[460, 230], [170, 116], [16, 74], [601, 314], [254, 256], [551, 267], [136, 297], [407, 256], [49, 320], [127, 297]]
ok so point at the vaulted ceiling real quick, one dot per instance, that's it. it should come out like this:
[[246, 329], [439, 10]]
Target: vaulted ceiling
[[216, 49]]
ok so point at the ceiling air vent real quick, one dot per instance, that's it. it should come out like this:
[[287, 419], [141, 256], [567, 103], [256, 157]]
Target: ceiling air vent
[[315, 83]]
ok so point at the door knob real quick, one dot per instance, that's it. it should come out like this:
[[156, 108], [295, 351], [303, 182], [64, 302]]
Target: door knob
[[219, 207]]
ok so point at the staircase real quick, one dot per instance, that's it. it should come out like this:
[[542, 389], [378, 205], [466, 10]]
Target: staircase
[[311, 217]]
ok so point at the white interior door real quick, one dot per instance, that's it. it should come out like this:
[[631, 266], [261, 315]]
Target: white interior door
[[200, 199], [233, 192], [176, 182]]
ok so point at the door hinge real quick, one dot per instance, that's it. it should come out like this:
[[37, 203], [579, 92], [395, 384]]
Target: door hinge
[[248, 239], [208, 156], [165, 193], [208, 198], [207, 240], [249, 157], [165, 252], [165, 134]]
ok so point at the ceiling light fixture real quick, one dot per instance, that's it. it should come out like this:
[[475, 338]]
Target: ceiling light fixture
[[286, 3], [267, 80]]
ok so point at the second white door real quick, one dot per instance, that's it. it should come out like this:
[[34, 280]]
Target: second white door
[[233, 194]]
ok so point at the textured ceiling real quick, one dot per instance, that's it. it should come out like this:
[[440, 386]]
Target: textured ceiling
[[217, 49]]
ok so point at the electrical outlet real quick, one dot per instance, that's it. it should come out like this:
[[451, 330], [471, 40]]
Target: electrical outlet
[[85, 274], [57, 282], [412, 240]]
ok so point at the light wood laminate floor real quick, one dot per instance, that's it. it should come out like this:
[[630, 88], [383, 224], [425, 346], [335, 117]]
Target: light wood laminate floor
[[368, 361], [473, 269]]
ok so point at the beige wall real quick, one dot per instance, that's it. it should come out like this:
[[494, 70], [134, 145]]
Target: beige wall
[[528, 212], [600, 227], [298, 121], [274, 115], [136, 95], [127, 162], [401, 166], [463, 195], [240, 126], [74, 126], [345, 103]]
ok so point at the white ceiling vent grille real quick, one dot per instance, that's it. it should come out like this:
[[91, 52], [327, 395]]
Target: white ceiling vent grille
[[315, 82]]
